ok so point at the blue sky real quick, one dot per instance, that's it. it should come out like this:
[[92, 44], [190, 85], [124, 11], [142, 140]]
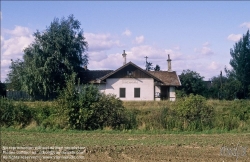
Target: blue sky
[[198, 35]]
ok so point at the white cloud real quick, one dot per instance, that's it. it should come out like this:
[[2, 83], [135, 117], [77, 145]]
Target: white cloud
[[245, 24], [206, 44], [177, 48], [16, 45], [18, 31], [97, 56], [136, 55], [12, 46], [100, 42], [204, 50], [110, 62], [213, 66], [234, 37], [127, 33], [139, 39]]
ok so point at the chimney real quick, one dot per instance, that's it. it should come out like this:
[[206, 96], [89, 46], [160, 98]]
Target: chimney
[[124, 57], [169, 64]]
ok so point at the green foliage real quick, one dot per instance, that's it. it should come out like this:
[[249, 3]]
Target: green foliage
[[15, 76], [85, 108], [6, 112], [55, 54], [22, 114], [2, 89], [41, 115], [191, 82], [131, 122], [14, 114], [195, 113], [240, 63], [157, 68], [224, 88]]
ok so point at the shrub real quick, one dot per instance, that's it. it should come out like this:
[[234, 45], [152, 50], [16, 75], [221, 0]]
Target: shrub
[[195, 113], [22, 114], [6, 112], [14, 114], [85, 108]]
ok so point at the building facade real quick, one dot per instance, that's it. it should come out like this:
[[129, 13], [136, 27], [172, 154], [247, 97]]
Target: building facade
[[132, 83]]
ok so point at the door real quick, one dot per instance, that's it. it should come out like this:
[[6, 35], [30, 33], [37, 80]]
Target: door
[[164, 92]]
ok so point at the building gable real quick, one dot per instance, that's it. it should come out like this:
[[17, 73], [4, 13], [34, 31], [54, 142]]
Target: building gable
[[129, 70]]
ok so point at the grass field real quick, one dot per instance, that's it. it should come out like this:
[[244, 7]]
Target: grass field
[[109, 145]]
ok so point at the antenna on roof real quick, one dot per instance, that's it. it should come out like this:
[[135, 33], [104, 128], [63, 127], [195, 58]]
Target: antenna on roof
[[146, 61]]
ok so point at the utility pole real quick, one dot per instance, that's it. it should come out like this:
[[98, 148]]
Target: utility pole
[[220, 85], [146, 62]]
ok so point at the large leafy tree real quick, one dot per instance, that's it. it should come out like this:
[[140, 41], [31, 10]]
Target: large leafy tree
[[223, 87], [191, 82], [54, 55], [240, 63]]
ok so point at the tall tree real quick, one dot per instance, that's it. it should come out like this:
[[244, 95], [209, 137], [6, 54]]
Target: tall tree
[[15, 76], [240, 63], [54, 55]]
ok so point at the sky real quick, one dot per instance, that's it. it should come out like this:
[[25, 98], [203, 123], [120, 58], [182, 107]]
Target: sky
[[198, 35]]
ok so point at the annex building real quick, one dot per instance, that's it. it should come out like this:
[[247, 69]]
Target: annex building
[[132, 83]]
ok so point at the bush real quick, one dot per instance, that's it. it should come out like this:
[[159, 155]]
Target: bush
[[6, 112], [22, 114], [195, 113], [85, 108], [14, 114]]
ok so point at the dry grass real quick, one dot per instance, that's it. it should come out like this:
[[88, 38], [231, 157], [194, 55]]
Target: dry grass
[[144, 105], [127, 146]]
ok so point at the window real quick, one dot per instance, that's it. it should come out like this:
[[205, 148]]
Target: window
[[137, 93], [122, 92]]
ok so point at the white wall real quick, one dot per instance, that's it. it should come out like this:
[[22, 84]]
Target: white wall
[[101, 87], [172, 95], [146, 86], [158, 90]]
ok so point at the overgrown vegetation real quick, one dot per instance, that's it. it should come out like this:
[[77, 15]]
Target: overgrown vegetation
[[85, 108], [192, 113]]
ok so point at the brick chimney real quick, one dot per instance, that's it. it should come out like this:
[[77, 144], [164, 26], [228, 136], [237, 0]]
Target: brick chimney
[[124, 57], [169, 64]]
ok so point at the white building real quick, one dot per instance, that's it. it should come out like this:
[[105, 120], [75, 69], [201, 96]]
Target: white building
[[132, 83]]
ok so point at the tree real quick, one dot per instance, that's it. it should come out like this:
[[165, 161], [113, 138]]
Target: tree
[[224, 87], [240, 63], [2, 89], [157, 68], [54, 55], [191, 82], [86, 108], [15, 76], [149, 66]]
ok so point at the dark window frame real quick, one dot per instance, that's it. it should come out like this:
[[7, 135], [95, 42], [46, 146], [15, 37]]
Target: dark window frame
[[137, 92], [122, 92]]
